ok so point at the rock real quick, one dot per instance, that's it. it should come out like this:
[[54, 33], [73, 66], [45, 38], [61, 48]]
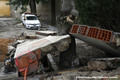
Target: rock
[[47, 48], [75, 62], [97, 65], [18, 42], [52, 62], [63, 45], [10, 48]]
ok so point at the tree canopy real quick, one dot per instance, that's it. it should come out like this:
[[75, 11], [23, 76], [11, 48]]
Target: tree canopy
[[24, 3], [103, 13]]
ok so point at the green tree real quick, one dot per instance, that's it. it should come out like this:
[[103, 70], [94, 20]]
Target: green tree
[[103, 13], [24, 3]]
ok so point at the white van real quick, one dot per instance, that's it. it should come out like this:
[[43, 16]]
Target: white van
[[30, 21]]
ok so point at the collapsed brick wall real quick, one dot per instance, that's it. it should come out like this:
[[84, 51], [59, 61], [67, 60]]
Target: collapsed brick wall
[[4, 47], [93, 32]]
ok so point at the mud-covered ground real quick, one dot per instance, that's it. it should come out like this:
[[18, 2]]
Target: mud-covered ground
[[10, 28]]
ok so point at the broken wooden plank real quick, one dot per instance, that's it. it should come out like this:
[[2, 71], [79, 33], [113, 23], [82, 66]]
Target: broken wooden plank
[[46, 33], [31, 37]]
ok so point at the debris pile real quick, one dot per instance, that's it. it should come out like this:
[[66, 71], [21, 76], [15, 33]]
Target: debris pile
[[42, 55], [29, 53]]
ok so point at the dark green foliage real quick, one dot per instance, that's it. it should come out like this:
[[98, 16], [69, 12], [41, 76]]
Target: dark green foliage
[[103, 13], [23, 4], [19, 4]]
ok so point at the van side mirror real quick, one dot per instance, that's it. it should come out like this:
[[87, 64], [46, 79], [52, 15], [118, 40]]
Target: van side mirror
[[24, 19]]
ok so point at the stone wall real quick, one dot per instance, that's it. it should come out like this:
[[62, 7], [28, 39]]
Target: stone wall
[[44, 11]]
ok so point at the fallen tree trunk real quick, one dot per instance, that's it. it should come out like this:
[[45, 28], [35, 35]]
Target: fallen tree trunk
[[65, 19]]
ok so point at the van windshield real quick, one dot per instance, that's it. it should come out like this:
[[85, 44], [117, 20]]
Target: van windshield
[[32, 18]]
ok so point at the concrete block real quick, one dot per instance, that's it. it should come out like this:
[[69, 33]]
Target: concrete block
[[63, 45]]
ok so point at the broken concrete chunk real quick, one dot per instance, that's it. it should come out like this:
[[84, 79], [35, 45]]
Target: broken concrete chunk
[[52, 62], [47, 48], [63, 45], [75, 62], [18, 42]]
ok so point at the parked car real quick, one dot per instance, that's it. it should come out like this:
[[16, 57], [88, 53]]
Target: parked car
[[30, 21]]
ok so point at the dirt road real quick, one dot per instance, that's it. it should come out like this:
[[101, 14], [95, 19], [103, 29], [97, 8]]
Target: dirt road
[[10, 28]]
